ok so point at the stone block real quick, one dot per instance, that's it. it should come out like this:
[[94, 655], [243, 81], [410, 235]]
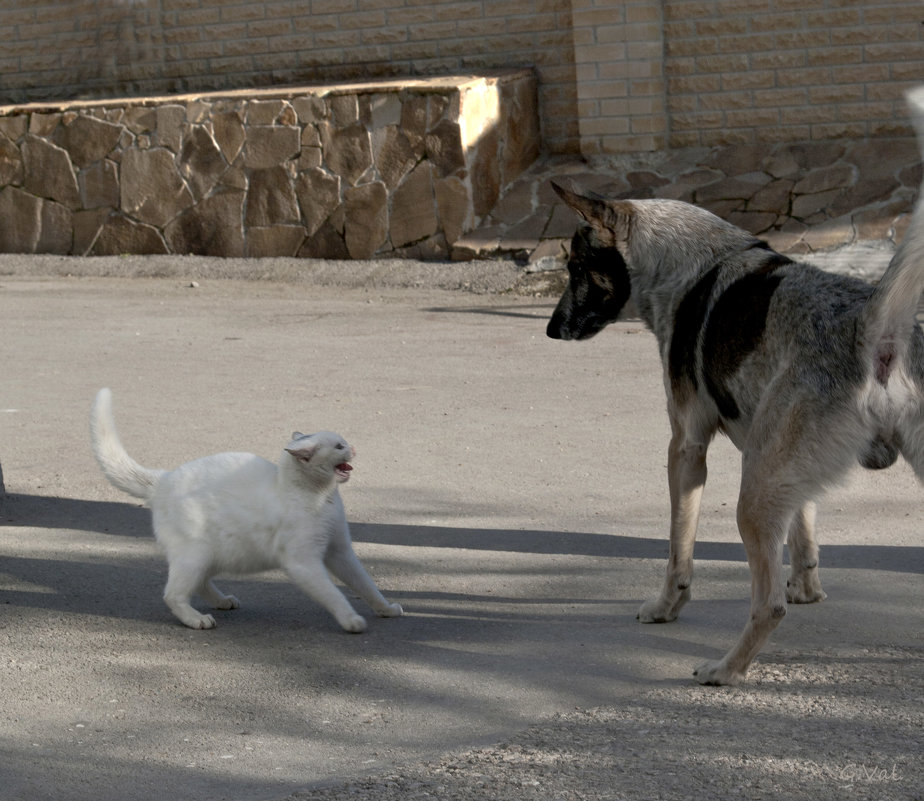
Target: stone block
[[366, 226], [414, 122], [413, 208], [264, 112], [213, 227], [201, 161], [310, 109], [270, 198], [275, 241], [21, 213], [269, 145], [88, 139], [394, 155], [120, 235], [454, 206], [318, 194], [736, 188], [11, 169], [325, 243], [13, 127], [99, 186], [56, 234], [140, 119], [823, 179], [444, 148], [170, 121], [486, 173], [805, 206], [87, 224], [43, 124], [152, 189], [385, 110], [344, 110], [229, 132], [519, 106], [775, 196], [347, 151], [49, 172]]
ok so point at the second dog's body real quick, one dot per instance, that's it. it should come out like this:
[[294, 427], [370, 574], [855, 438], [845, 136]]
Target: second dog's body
[[806, 372]]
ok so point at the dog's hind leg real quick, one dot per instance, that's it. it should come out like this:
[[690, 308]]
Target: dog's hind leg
[[804, 585], [686, 475], [766, 513]]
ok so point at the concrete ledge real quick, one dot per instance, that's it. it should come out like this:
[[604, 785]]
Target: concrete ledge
[[350, 171]]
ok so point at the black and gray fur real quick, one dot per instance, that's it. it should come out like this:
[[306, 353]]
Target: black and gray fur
[[807, 373]]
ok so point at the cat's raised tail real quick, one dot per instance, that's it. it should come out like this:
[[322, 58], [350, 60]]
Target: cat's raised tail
[[121, 470]]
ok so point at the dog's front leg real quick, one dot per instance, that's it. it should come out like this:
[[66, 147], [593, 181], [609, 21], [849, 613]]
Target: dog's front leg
[[686, 476]]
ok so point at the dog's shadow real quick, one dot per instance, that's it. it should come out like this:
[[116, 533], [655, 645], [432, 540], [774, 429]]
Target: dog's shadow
[[105, 517], [134, 520], [85, 579]]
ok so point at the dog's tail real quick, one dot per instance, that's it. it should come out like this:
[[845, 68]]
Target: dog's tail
[[889, 316], [121, 470]]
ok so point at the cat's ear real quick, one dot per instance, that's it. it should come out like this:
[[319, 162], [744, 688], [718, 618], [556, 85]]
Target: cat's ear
[[302, 452], [302, 446]]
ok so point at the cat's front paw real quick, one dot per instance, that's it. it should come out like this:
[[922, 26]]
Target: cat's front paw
[[392, 610], [355, 624], [201, 622]]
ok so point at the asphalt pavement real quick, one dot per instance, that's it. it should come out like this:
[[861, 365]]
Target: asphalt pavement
[[509, 491]]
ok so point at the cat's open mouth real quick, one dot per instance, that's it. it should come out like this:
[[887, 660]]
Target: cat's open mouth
[[342, 471]]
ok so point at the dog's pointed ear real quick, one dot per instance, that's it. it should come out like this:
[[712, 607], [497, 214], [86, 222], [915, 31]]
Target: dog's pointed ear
[[589, 205], [609, 218]]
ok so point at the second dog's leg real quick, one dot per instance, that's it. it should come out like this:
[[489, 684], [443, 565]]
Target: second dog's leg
[[804, 585], [763, 521], [686, 475]]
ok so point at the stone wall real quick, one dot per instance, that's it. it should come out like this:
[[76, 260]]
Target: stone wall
[[351, 171]]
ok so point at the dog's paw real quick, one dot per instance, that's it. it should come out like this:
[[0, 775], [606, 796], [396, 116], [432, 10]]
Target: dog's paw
[[355, 624], [662, 610], [392, 610], [805, 589], [717, 673]]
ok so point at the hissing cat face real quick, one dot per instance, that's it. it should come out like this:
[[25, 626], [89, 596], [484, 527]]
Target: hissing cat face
[[325, 455]]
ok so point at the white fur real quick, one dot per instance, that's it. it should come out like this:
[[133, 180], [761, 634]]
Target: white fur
[[238, 513]]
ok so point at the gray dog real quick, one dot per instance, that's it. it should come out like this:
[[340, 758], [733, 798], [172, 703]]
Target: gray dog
[[806, 372]]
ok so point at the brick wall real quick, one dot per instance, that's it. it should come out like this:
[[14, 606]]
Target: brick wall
[[103, 47], [615, 75], [618, 52], [757, 71]]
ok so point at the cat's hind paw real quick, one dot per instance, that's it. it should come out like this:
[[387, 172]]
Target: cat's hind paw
[[228, 602], [392, 610]]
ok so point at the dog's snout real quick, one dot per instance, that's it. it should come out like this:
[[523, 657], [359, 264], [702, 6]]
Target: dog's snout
[[556, 329]]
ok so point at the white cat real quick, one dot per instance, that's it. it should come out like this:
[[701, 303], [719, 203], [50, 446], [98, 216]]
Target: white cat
[[238, 513]]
